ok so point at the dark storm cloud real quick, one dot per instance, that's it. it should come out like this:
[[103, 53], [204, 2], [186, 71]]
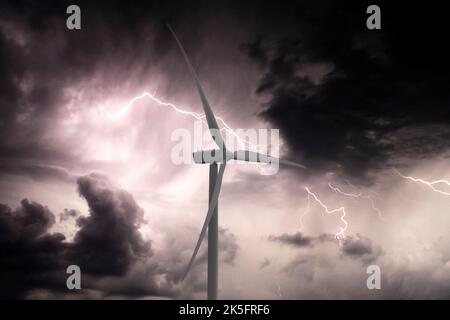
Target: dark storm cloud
[[299, 240], [108, 242], [355, 247], [295, 240], [341, 94], [360, 247], [29, 255], [108, 247]]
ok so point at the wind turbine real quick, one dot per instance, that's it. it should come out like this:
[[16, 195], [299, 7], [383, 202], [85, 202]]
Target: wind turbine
[[213, 158]]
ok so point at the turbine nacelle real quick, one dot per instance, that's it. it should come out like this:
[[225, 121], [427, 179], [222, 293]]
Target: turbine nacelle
[[223, 156], [220, 156]]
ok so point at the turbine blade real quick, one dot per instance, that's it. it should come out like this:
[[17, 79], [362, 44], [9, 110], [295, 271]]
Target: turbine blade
[[212, 206], [210, 118], [250, 156], [291, 163]]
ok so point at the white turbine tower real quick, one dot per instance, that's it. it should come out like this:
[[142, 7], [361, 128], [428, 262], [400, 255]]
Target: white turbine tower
[[213, 158]]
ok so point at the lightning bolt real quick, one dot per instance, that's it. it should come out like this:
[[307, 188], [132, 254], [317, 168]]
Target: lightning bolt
[[198, 116], [339, 235], [431, 184], [357, 195]]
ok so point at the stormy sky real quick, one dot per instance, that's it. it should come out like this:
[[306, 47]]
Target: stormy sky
[[366, 111]]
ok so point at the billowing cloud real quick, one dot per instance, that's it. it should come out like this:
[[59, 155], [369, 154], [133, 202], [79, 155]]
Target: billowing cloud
[[30, 256], [108, 247], [346, 99], [108, 242]]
